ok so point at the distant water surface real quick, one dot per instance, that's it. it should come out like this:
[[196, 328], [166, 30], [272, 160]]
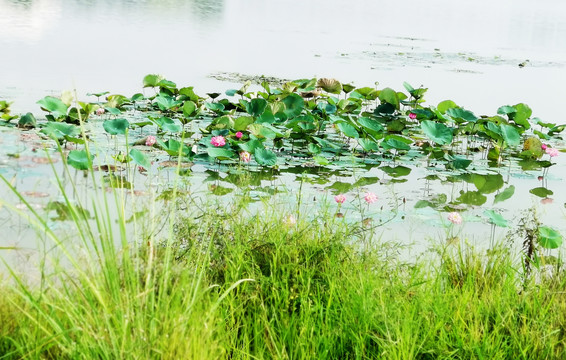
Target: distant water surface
[[466, 51]]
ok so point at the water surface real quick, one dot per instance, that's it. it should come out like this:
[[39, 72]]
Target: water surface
[[468, 52]]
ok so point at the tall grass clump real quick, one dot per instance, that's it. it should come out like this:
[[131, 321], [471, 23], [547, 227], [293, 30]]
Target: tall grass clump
[[216, 281]]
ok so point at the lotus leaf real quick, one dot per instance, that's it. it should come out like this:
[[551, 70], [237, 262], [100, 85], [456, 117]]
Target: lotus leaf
[[152, 80], [495, 218], [332, 86], [437, 132], [79, 159], [116, 126], [140, 158], [265, 157], [54, 106], [549, 238]]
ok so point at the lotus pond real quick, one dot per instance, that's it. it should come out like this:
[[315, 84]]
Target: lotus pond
[[407, 170]]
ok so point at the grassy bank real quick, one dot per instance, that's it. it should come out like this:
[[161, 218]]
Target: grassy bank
[[229, 284]]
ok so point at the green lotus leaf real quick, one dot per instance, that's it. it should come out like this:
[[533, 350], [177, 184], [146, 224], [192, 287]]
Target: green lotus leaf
[[397, 171], [58, 131], [79, 159], [366, 93], [389, 96], [348, 130], [556, 129], [506, 110], [314, 148], [188, 93], [505, 194], [265, 157], [368, 145], [168, 125], [116, 101], [267, 117], [113, 110], [189, 108], [294, 105], [54, 106], [340, 187], [152, 80], [140, 158], [366, 180], [216, 107], [396, 142], [437, 132], [510, 135], [541, 192], [167, 84], [174, 147], [461, 115], [220, 153], [549, 238], [27, 121], [166, 102], [521, 117], [471, 198], [370, 124], [321, 160], [116, 126], [256, 107], [443, 106], [231, 92], [495, 218], [99, 94], [244, 88], [347, 88], [262, 131], [487, 184], [459, 163], [137, 97], [241, 123], [251, 145]]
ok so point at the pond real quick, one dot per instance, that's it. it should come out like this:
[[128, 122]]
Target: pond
[[481, 56]]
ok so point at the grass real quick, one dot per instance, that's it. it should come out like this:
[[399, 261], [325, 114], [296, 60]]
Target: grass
[[220, 281]]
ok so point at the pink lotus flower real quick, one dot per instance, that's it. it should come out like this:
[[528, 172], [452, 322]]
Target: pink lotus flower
[[150, 140], [100, 111], [543, 146], [455, 218], [412, 116], [245, 156], [218, 141], [370, 197], [551, 151], [239, 135], [340, 199]]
